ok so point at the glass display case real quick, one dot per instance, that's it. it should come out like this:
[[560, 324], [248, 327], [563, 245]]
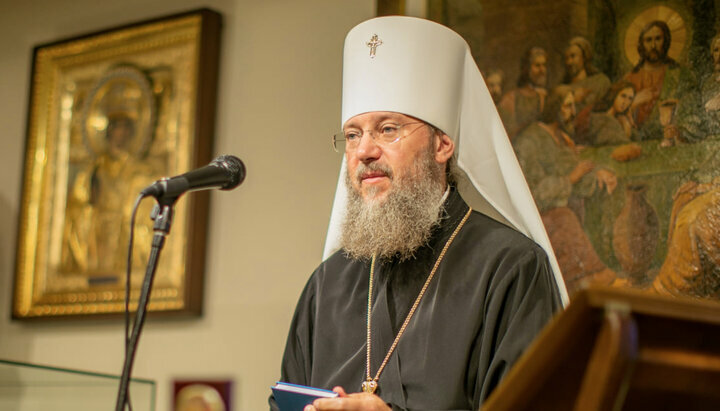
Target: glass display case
[[29, 387]]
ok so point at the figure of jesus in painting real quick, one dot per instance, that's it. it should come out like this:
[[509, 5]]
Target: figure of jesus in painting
[[661, 82]]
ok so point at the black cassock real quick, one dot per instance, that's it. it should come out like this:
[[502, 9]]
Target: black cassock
[[491, 295]]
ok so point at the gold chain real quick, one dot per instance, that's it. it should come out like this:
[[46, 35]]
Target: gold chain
[[371, 384]]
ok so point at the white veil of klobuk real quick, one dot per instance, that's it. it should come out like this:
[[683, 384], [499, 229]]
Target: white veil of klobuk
[[423, 69]]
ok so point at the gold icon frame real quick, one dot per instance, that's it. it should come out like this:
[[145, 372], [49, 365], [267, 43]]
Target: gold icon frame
[[111, 112]]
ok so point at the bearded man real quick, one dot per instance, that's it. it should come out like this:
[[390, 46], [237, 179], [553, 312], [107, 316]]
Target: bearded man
[[426, 304], [522, 106], [587, 82], [661, 81], [494, 79]]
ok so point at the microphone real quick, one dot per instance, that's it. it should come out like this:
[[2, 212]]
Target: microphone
[[225, 172]]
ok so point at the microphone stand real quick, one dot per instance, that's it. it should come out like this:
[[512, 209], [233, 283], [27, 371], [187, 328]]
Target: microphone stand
[[161, 229]]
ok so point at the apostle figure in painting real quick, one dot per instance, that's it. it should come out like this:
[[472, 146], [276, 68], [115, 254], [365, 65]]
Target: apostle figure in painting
[[665, 105], [423, 302], [559, 181], [494, 79], [522, 106], [608, 121], [692, 264], [587, 82]]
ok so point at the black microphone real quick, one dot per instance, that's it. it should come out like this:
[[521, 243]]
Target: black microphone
[[225, 172]]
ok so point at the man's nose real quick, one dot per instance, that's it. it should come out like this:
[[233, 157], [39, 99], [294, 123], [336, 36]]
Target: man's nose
[[367, 148]]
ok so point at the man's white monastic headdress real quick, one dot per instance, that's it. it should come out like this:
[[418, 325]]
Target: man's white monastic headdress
[[423, 69]]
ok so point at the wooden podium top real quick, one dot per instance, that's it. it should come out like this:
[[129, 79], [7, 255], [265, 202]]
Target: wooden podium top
[[618, 349]]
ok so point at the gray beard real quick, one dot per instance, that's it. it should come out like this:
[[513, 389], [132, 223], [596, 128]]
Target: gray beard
[[403, 222]]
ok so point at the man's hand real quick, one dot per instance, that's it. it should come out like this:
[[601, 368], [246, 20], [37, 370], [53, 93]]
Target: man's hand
[[645, 95], [607, 179], [580, 170], [344, 401]]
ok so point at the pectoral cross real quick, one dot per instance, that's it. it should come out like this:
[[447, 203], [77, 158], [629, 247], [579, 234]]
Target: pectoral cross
[[369, 386], [373, 44]]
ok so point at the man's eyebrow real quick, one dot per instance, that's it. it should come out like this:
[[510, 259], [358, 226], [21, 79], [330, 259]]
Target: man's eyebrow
[[386, 117]]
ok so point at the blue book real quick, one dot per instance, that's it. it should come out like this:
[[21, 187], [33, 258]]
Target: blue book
[[293, 397]]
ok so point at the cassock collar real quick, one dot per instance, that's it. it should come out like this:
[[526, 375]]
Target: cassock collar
[[454, 209]]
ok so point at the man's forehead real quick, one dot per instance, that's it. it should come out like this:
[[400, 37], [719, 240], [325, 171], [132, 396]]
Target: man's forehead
[[494, 79], [653, 31], [376, 117], [573, 49]]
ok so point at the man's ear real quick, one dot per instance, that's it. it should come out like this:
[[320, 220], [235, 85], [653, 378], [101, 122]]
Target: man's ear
[[444, 147]]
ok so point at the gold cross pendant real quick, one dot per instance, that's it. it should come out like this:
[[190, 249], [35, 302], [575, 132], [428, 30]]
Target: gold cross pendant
[[373, 44], [369, 386]]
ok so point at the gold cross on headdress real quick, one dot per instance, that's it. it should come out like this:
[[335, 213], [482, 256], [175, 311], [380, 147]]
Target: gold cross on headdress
[[373, 44]]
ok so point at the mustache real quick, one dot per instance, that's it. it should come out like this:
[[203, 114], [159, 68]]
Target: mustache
[[365, 169], [653, 54]]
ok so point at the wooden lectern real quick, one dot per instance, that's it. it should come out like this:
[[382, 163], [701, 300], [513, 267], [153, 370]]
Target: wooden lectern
[[617, 349]]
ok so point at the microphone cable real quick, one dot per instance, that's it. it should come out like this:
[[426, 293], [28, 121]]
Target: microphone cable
[[128, 272]]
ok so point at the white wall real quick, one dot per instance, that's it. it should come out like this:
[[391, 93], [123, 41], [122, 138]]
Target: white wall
[[279, 100]]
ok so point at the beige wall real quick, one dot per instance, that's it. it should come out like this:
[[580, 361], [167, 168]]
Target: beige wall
[[278, 103]]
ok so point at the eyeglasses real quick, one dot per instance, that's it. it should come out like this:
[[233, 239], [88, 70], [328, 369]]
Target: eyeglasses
[[384, 134]]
